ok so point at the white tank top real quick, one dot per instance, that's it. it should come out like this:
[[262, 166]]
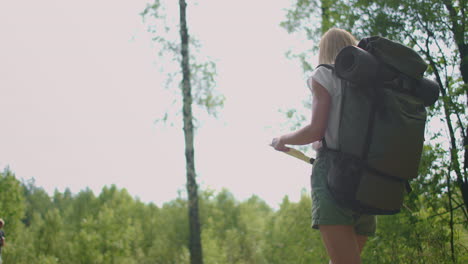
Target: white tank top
[[332, 84]]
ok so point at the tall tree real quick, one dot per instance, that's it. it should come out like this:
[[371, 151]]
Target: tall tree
[[197, 89], [195, 246]]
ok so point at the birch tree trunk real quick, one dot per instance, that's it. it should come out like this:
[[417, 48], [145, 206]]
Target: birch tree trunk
[[195, 246]]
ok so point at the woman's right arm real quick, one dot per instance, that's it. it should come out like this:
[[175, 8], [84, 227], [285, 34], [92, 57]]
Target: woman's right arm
[[314, 131]]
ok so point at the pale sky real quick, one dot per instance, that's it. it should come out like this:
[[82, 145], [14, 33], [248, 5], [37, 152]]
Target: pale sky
[[80, 91]]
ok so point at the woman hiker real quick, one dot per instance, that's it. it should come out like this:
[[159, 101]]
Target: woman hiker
[[343, 231]]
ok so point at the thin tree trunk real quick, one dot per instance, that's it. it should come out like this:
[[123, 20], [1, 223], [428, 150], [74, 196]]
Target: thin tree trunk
[[461, 181], [451, 224], [458, 29], [325, 7], [195, 246]]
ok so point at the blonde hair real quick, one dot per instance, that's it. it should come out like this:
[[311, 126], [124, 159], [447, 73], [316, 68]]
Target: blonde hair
[[332, 42]]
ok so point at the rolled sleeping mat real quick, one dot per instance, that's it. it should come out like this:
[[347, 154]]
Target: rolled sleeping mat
[[356, 65], [395, 54], [427, 90]]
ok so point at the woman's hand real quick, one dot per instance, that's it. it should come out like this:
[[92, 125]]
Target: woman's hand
[[277, 144]]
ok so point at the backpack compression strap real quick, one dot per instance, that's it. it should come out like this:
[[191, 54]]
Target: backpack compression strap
[[377, 82]]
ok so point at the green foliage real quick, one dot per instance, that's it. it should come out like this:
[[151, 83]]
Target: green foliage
[[290, 236], [113, 227], [12, 204]]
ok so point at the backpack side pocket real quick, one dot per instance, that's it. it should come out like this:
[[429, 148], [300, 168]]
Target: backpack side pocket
[[343, 178]]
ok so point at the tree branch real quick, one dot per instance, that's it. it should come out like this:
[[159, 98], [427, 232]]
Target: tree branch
[[447, 85]]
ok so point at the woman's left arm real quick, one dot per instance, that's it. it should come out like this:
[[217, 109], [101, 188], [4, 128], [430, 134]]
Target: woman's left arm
[[314, 131]]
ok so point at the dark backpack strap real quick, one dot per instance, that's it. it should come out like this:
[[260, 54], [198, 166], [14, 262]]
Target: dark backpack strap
[[324, 143], [369, 133], [408, 187], [375, 100]]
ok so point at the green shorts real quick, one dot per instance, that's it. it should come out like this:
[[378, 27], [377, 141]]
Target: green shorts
[[325, 211]]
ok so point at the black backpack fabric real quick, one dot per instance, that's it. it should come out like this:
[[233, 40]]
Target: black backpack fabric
[[382, 123]]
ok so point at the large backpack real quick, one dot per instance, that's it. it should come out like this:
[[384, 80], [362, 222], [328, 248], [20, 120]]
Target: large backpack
[[382, 123]]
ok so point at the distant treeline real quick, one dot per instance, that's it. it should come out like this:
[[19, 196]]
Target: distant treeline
[[113, 227]]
